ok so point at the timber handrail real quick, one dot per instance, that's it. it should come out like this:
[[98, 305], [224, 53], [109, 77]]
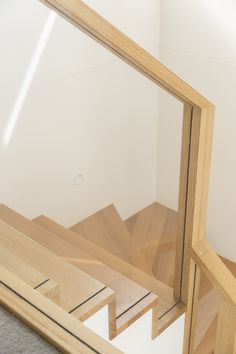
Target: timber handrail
[[215, 270], [80, 14]]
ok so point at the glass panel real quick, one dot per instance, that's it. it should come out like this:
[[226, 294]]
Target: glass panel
[[169, 138], [88, 140]]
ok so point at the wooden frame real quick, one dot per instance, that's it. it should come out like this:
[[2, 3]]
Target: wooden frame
[[204, 259], [196, 147], [197, 186], [198, 118], [182, 207]]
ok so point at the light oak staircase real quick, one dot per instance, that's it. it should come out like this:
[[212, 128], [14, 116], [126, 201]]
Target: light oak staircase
[[59, 327], [107, 230], [78, 280], [132, 299], [46, 258], [55, 278], [154, 230], [76, 268], [111, 264], [152, 234], [73, 290]]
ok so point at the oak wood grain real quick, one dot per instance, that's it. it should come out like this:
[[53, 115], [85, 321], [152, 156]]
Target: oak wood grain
[[74, 285], [107, 230], [182, 238], [154, 230], [198, 185], [100, 29], [50, 320], [132, 300], [215, 270]]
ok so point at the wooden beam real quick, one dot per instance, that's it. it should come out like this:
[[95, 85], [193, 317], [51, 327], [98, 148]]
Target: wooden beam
[[81, 15], [215, 270]]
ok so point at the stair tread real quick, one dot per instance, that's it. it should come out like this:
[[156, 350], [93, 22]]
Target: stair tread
[[51, 321], [155, 230], [98, 301], [132, 300], [99, 256], [107, 230], [145, 304], [21, 269], [21, 237]]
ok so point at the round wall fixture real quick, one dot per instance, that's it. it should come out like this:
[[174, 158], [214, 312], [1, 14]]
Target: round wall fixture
[[78, 179]]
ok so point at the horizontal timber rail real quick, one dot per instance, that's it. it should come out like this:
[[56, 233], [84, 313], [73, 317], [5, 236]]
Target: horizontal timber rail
[[223, 341], [87, 19], [215, 270]]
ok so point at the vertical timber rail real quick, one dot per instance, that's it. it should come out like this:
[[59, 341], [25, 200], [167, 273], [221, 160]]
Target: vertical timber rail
[[197, 196], [198, 185], [182, 205], [191, 317]]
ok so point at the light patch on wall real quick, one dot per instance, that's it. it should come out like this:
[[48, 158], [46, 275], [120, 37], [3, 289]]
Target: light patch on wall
[[223, 12], [28, 78]]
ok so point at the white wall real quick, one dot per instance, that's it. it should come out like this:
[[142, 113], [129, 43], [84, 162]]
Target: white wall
[[137, 338], [198, 42], [86, 112]]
